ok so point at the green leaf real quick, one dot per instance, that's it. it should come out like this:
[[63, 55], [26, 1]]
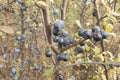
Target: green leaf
[[48, 73], [87, 48], [96, 51]]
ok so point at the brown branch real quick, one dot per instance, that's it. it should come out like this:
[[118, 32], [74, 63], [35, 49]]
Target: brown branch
[[103, 17], [63, 10], [46, 22], [98, 13], [115, 2], [98, 63], [47, 29]]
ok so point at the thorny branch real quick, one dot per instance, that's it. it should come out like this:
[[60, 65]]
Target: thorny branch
[[91, 63]]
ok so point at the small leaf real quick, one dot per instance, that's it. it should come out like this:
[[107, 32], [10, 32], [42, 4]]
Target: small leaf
[[118, 58], [7, 29], [103, 77], [87, 47], [108, 9], [42, 3], [69, 79], [18, 32], [112, 74], [101, 57], [109, 28], [96, 51], [78, 23]]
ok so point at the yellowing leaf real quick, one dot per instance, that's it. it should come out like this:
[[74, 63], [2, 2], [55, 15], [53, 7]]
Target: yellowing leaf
[[18, 32], [69, 79], [108, 9], [100, 70], [78, 23], [109, 28], [48, 73], [101, 57], [96, 51], [42, 3], [113, 19], [103, 77], [7, 29], [118, 58], [112, 74], [26, 45]]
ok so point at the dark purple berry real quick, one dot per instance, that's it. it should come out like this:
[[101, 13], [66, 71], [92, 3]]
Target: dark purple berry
[[56, 32], [65, 42], [97, 36], [90, 56], [94, 13], [71, 40], [61, 77], [59, 25], [79, 49], [87, 35], [64, 33], [82, 43], [60, 40], [48, 53], [80, 32], [63, 57], [96, 29], [104, 35], [55, 11]]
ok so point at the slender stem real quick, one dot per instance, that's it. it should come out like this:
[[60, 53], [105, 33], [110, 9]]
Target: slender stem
[[63, 10], [91, 63], [115, 2]]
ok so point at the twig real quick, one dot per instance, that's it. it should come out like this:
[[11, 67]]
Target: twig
[[63, 10], [91, 63], [114, 5]]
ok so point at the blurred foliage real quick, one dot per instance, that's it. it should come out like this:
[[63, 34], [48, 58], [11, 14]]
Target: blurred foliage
[[16, 24]]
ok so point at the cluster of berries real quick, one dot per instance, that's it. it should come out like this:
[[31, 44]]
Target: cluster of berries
[[96, 33]]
